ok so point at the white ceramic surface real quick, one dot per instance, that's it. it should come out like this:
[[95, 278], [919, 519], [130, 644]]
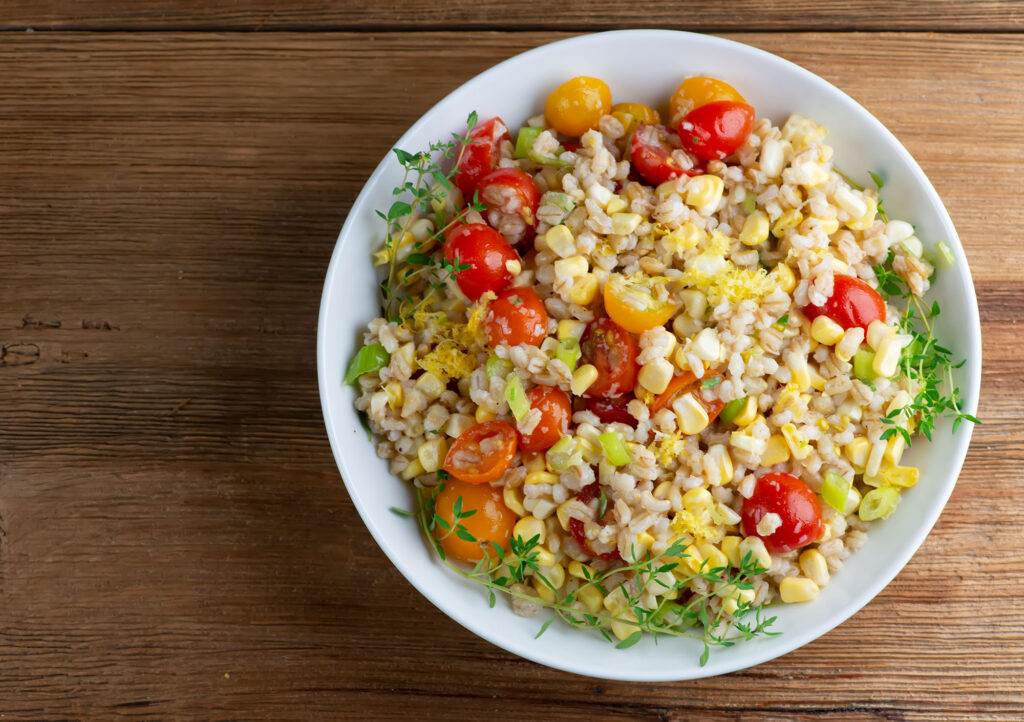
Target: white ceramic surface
[[515, 90]]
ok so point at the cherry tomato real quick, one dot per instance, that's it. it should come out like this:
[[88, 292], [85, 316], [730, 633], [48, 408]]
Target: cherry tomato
[[797, 506], [576, 105], [482, 453], [491, 522], [633, 306], [588, 494], [486, 251], [613, 410], [555, 412], [633, 114], [650, 151], [853, 303], [697, 91], [516, 316], [512, 199], [480, 156], [612, 351], [716, 130], [685, 384]]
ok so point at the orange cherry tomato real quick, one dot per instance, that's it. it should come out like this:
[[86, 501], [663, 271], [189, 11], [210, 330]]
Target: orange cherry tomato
[[684, 384], [491, 520], [576, 105], [633, 114], [516, 316], [633, 306], [697, 91], [612, 351], [482, 453], [555, 412]]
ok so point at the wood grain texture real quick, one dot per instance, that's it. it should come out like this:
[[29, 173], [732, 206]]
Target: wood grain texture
[[174, 539], [569, 15]]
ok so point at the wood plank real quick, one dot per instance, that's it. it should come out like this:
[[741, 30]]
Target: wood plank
[[571, 15], [174, 540]]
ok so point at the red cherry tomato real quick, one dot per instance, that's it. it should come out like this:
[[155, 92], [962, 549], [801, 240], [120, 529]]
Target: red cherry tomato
[[716, 130], [613, 410], [797, 506], [516, 316], [482, 453], [555, 412], [480, 155], [613, 351], [853, 303], [651, 154], [486, 252], [686, 383], [491, 522], [588, 494], [512, 198]]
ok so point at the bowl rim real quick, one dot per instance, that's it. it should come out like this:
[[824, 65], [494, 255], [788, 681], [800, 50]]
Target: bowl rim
[[792, 639]]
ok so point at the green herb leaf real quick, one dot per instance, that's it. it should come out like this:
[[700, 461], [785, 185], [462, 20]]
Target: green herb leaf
[[711, 382], [369, 358], [630, 640], [400, 512]]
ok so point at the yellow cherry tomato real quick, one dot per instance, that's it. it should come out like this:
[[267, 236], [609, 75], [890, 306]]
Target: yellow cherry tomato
[[576, 105], [633, 114], [632, 304], [697, 91]]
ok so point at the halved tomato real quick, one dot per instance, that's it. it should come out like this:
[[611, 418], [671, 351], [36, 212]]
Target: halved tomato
[[482, 453]]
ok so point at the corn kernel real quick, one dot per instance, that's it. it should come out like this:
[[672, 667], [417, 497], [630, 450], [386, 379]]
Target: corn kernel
[[513, 497], [484, 414], [754, 546], [554, 573], [615, 601], [571, 267], [731, 548], [543, 590], [691, 558], [794, 590], [894, 449], [874, 462], [797, 365], [771, 158], [745, 442], [864, 222], [857, 452], [896, 231], [814, 566], [542, 508], [622, 630], [395, 395], [717, 463], [902, 476], [817, 380], [582, 379], [545, 558], [407, 352], [562, 513], [801, 131], [697, 500], [581, 570], [616, 204], [887, 357], [655, 375], [790, 219], [849, 343], [663, 490], [625, 223], [541, 477], [414, 469], [591, 597], [729, 606], [529, 527], [798, 446], [704, 192], [584, 290], [644, 541], [755, 229], [826, 331], [828, 226], [571, 328], [776, 451], [747, 414], [847, 200], [716, 559], [694, 303], [431, 454], [599, 194], [782, 275], [691, 414], [877, 332], [706, 346]]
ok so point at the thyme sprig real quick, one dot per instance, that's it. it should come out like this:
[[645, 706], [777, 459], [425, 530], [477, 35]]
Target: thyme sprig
[[500, 571], [923, 361]]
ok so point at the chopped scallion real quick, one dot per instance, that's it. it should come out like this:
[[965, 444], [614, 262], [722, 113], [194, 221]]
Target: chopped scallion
[[525, 140], [749, 203], [878, 503], [835, 491], [941, 256], [568, 352], [563, 201], [497, 366], [518, 404], [615, 448], [370, 358], [863, 362], [564, 455]]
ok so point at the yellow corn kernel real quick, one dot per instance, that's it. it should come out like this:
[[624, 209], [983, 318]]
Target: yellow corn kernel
[[694, 303], [561, 241], [655, 375], [541, 477], [894, 449], [731, 548], [414, 469], [817, 380], [584, 290], [826, 331], [718, 467], [687, 235], [542, 508], [776, 451], [625, 223], [887, 357], [543, 590], [644, 541], [572, 267], [798, 446], [616, 204], [545, 558], [514, 266], [901, 476], [692, 558], [748, 414], [555, 573], [797, 365], [877, 332], [513, 497], [874, 462], [529, 527], [570, 328], [697, 500], [755, 229], [562, 513], [534, 462], [716, 559], [802, 131], [662, 490], [798, 589], [857, 452], [431, 453], [865, 221], [484, 414], [582, 379], [704, 192], [691, 414], [395, 395], [754, 546], [581, 570], [615, 601], [790, 219], [782, 275], [729, 606], [623, 630], [407, 352], [591, 597], [814, 566], [828, 225]]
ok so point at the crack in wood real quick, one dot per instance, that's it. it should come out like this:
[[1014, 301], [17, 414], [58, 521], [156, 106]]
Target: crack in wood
[[100, 325], [19, 354], [30, 321]]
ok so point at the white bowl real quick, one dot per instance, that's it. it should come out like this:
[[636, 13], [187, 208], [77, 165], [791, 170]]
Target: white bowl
[[515, 90]]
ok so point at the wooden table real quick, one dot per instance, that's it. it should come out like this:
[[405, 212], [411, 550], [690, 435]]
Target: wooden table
[[175, 540]]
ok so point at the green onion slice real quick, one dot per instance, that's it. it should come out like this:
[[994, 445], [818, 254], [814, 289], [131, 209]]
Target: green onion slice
[[835, 491], [563, 201], [497, 367], [550, 160], [732, 409], [370, 358], [749, 203], [518, 404], [878, 503], [568, 352], [942, 256], [863, 362], [564, 455], [615, 448], [525, 140]]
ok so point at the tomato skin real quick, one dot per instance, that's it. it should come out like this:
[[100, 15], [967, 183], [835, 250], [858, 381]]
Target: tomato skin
[[612, 410], [515, 317], [576, 105], [794, 502], [588, 494], [651, 155], [486, 251], [618, 293], [716, 130], [467, 462], [633, 114], [556, 412], [492, 522], [480, 156], [613, 351], [511, 191], [853, 304], [686, 383], [700, 90]]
